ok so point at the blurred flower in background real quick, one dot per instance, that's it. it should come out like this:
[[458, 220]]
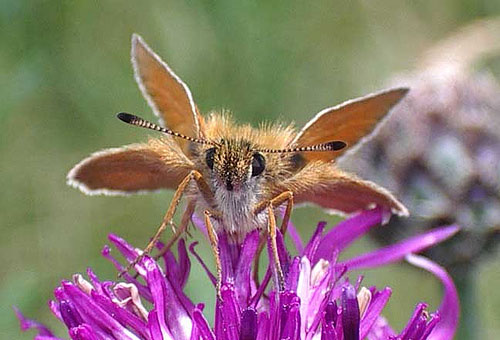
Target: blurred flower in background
[[317, 300], [440, 154]]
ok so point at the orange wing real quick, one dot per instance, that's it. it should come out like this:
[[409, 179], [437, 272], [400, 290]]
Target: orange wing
[[131, 169], [168, 96], [350, 122], [332, 189]]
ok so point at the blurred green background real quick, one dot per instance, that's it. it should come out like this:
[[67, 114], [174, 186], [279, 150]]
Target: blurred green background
[[65, 72]]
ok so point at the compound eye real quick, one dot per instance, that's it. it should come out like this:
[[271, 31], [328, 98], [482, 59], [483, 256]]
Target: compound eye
[[258, 164], [209, 157]]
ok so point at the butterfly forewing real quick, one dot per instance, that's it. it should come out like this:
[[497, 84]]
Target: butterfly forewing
[[349, 122], [165, 92]]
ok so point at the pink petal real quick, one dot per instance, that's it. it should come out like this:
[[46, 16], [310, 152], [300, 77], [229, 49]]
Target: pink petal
[[399, 250], [377, 304], [449, 309], [347, 231], [29, 324]]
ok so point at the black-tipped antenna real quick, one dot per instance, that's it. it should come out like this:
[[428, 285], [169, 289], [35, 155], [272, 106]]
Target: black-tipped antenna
[[335, 145], [138, 121]]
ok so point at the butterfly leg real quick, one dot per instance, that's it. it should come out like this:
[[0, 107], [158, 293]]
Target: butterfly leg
[[167, 219], [214, 243], [186, 218], [285, 197], [271, 231]]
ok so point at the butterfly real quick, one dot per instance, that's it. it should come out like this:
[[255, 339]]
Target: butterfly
[[235, 174]]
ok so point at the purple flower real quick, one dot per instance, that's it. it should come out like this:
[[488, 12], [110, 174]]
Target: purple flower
[[318, 301]]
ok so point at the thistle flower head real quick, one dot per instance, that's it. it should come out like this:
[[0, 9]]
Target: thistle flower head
[[318, 300]]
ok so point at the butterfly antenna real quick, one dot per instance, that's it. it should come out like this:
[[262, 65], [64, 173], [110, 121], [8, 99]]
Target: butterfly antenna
[[138, 121], [335, 145]]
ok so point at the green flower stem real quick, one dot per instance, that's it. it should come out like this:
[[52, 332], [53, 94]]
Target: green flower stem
[[468, 326]]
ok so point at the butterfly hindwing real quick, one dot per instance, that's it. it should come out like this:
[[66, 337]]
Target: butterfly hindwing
[[130, 169], [334, 190]]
